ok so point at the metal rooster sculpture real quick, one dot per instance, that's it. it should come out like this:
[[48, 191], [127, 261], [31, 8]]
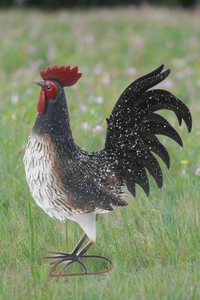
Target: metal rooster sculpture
[[68, 182]]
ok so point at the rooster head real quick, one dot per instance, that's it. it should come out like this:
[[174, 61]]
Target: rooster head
[[54, 80]]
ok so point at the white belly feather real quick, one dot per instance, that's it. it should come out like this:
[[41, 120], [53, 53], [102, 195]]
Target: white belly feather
[[44, 187]]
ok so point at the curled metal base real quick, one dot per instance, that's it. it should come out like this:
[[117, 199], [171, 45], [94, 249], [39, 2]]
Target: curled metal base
[[61, 257]]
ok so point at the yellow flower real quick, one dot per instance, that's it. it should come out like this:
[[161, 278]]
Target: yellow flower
[[185, 162]]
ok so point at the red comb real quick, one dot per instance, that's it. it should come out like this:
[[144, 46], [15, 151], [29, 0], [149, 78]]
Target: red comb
[[64, 75]]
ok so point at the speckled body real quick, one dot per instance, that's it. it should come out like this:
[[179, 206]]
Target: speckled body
[[70, 183]]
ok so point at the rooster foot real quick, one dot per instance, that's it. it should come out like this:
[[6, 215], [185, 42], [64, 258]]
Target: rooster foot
[[71, 258]]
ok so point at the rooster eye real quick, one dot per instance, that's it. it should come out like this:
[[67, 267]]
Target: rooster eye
[[50, 89]]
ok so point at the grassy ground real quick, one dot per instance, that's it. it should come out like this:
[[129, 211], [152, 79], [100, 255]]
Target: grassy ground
[[155, 241]]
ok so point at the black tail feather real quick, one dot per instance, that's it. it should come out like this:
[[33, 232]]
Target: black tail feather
[[152, 165], [145, 82], [144, 85], [160, 127], [151, 142], [135, 173], [132, 127], [155, 100], [151, 74]]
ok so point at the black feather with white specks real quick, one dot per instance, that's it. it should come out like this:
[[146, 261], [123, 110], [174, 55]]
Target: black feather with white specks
[[132, 127]]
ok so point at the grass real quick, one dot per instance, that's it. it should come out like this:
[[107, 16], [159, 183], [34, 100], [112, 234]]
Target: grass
[[155, 241]]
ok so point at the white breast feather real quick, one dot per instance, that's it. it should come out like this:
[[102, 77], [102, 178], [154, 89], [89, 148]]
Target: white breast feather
[[44, 186]]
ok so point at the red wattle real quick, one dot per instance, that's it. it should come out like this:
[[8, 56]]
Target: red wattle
[[41, 105]]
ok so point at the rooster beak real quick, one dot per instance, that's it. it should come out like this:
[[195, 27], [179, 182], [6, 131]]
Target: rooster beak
[[41, 83]]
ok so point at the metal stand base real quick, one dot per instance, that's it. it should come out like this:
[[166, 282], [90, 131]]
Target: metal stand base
[[71, 258]]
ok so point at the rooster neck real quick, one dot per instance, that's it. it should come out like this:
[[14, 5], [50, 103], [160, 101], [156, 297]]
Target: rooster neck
[[55, 122]]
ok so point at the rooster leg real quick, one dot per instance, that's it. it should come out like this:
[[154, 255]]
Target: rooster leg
[[87, 222], [73, 257]]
